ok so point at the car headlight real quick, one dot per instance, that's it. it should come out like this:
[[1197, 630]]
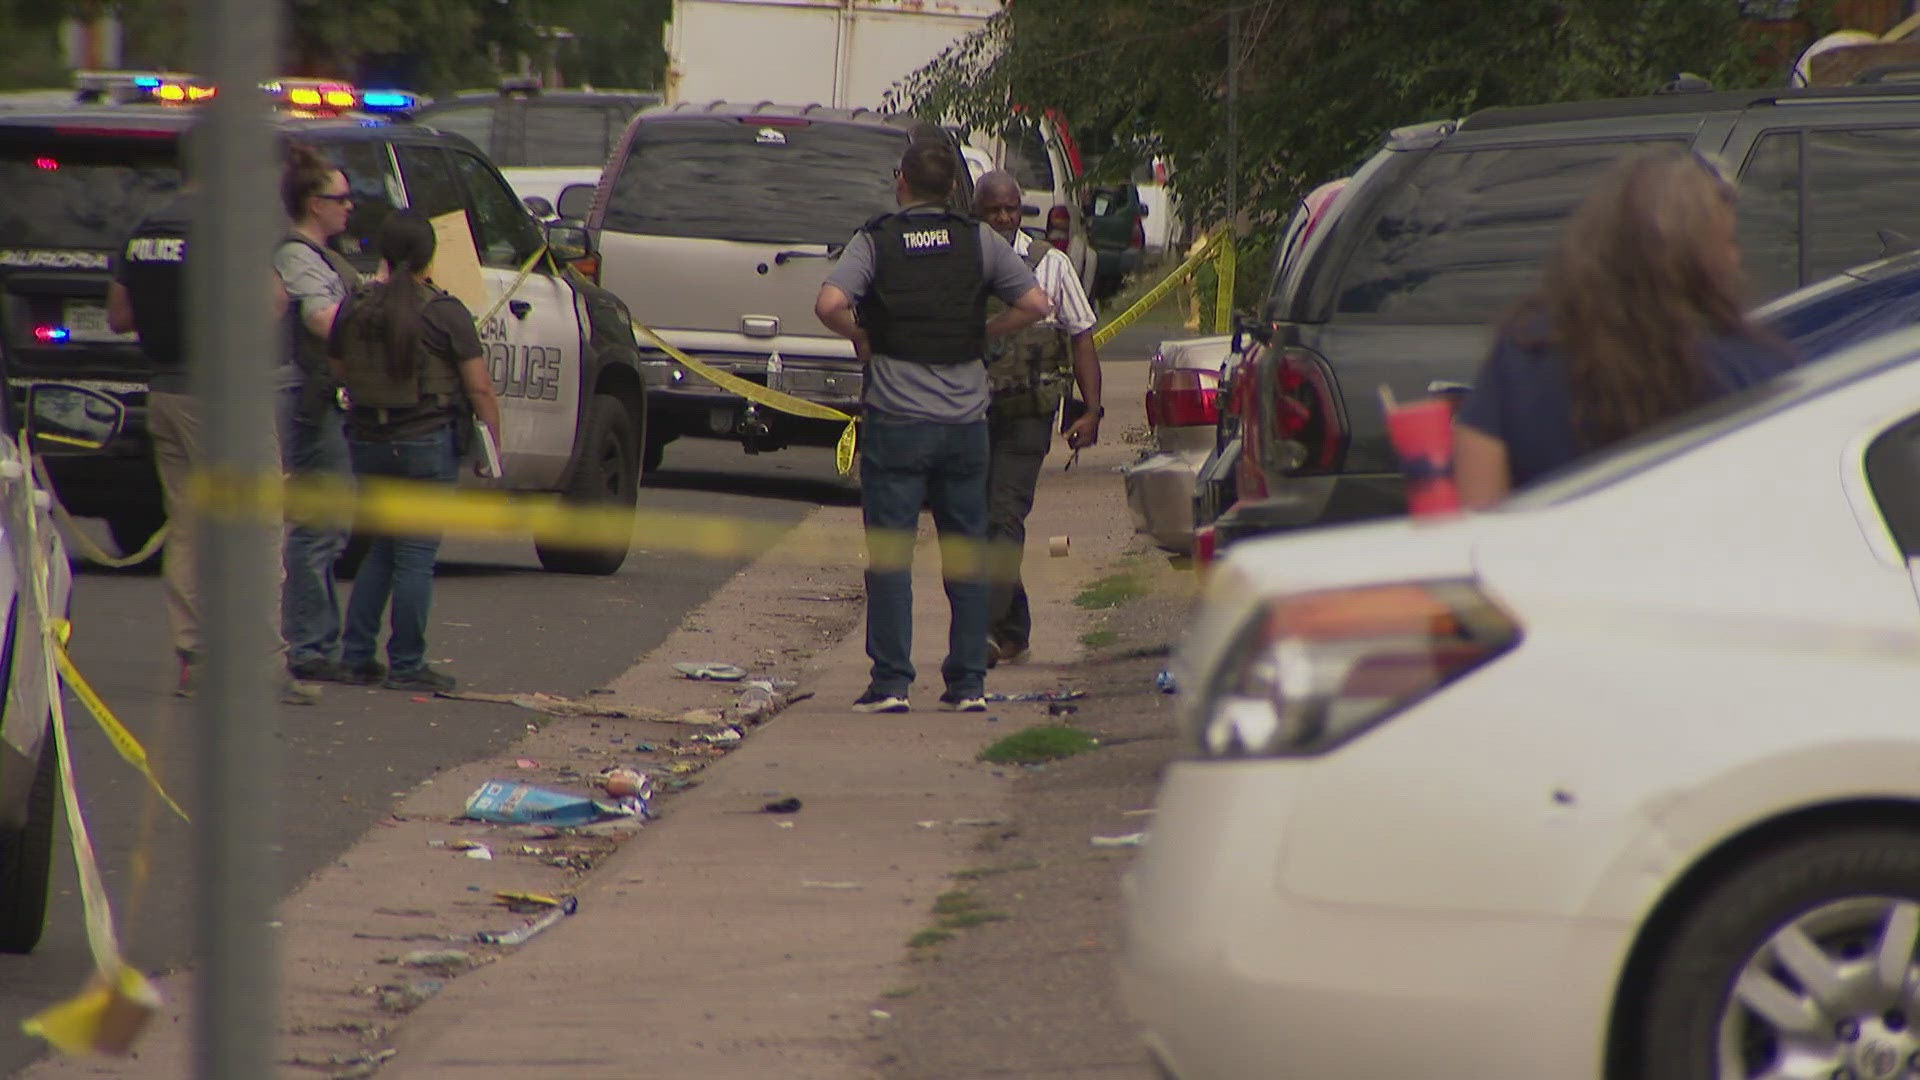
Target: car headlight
[[1310, 671]]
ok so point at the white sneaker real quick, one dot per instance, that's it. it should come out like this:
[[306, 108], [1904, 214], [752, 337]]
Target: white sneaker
[[873, 701], [963, 704]]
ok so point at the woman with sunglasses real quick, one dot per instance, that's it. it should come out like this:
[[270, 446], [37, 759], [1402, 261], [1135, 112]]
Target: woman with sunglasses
[[318, 201], [1641, 318]]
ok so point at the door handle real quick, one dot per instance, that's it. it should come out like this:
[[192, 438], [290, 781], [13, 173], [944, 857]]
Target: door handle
[[519, 308]]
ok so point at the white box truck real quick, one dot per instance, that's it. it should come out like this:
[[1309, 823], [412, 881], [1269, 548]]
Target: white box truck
[[843, 53]]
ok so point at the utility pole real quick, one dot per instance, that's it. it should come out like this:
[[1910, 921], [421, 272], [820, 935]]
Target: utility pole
[[235, 222]]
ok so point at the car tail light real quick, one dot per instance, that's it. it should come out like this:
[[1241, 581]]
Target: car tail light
[[1206, 544], [1308, 427], [1184, 398], [1060, 227], [1315, 670], [1139, 236]]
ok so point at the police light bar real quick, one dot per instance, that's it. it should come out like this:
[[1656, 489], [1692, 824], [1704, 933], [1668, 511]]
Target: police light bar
[[120, 87], [375, 101], [314, 95]]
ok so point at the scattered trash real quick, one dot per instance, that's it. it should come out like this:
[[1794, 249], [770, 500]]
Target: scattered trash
[[625, 783], [527, 932], [966, 823], [1138, 813], [711, 671], [785, 824], [880, 1014], [1138, 839], [1040, 695], [723, 737], [756, 701], [437, 958], [405, 999], [1059, 546], [837, 886], [788, 805], [526, 763], [1165, 682], [551, 704], [707, 717], [510, 802], [1061, 708], [481, 852], [538, 899]]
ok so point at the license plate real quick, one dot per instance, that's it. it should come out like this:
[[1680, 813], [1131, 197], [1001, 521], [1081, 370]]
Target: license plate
[[88, 322]]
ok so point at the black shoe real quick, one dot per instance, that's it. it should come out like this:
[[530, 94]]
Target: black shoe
[[422, 678], [334, 671], [875, 701]]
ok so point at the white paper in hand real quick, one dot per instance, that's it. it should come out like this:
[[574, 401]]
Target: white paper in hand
[[487, 455]]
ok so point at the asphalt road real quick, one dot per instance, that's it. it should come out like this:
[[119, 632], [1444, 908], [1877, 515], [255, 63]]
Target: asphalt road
[[500, 624]]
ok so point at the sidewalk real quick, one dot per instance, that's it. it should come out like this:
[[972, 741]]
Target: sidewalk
[[719, 941]]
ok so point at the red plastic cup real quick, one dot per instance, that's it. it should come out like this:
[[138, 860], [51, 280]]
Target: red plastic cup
[[1422, 433]]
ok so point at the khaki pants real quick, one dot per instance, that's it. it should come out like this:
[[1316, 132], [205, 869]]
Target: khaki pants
[[173, 420]]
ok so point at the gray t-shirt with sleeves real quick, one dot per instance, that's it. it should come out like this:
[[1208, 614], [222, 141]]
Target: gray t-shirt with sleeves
[[941, 393], [312, 285]]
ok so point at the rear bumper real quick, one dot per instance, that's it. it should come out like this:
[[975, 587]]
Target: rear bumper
[[1314, 500], [835, 383], [1160, 490]]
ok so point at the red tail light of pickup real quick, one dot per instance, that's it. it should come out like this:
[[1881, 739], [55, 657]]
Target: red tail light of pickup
[[1184, 398]]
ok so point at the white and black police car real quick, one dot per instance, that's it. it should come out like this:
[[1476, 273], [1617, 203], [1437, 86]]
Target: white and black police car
[[572, 399]]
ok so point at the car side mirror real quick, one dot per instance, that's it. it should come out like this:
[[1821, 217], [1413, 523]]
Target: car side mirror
[[75, 416], [538, 206], [576, 201], [569, 241], [1140, 210]]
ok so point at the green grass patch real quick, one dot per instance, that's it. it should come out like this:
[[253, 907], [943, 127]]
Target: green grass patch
[[968, 919], [1111, 591], [1047, 742], [928, 938], [955, 902], [981, 873], [899, 992], [1099, 639]]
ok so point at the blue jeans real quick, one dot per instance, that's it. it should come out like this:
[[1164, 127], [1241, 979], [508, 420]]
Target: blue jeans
[[310, 603], [904, 464], [399, 568]]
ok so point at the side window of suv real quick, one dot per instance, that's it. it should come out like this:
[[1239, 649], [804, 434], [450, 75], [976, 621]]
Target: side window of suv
[[473, 121], [1860, 183], [370, 177], [502, 229], [432, 189], [1770, 216], [1468, 232], [566, 135]]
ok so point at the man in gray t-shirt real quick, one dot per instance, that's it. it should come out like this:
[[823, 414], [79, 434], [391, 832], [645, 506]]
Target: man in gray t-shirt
[[910, 293]]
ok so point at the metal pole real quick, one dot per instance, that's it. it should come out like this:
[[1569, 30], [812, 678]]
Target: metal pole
[[233, 347], [1233, 114]]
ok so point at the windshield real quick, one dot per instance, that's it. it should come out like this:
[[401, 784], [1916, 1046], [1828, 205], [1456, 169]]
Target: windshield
[[79, 191], [1710, 422], [785, 182]]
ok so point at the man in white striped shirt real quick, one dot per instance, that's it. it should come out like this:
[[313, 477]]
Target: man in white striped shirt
[[1029, 373]]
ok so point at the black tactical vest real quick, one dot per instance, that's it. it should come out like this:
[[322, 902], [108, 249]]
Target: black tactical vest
[[434, 387], [153, 266], [1028, 370], [928, 301], [308, 351]]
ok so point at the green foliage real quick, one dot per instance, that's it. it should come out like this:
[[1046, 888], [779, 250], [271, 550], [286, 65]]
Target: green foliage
[[1111, 591], [1048, 742], [1320, 80]]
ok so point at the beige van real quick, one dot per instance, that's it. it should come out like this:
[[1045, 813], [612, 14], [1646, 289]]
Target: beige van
[[717, 224]]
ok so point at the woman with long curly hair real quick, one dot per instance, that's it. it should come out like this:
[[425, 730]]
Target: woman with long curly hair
[[1641, 318]]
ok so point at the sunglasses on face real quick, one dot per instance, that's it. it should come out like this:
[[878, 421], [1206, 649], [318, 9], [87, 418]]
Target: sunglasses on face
[[343, 197]]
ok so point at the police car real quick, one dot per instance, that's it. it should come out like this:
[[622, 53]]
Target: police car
[[572, 400]]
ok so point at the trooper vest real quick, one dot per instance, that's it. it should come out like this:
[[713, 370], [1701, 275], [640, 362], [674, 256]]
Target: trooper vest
[[928, 301], [307, 350], [434, 385], [1028, 370]]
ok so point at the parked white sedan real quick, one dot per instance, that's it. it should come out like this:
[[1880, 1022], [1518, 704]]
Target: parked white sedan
[[1621, 780]]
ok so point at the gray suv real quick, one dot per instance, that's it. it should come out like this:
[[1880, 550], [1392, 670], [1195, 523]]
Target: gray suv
[[716, 225]]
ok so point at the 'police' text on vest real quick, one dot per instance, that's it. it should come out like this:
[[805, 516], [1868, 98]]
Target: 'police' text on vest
[[156, 249]]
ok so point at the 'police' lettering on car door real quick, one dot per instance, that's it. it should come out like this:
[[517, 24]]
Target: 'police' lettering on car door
[[526, 371]]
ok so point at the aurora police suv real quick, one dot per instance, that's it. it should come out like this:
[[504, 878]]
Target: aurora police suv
[[572, 401]]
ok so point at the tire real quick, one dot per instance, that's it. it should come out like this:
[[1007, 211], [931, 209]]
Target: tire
[[132, 530], [26, 858], [1748, 959], [608, 474]]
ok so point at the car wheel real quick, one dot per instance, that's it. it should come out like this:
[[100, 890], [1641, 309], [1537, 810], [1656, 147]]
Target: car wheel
[[609, 475], [131, 531], [26, 858], [1800, 963]]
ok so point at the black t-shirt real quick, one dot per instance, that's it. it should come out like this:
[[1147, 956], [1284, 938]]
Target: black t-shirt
[[152, 267], [446, 329]]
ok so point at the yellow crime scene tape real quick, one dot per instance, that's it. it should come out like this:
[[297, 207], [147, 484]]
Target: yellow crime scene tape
[[1218, 247]]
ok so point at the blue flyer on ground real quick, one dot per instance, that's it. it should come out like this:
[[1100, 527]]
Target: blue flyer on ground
[[514, 803]]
